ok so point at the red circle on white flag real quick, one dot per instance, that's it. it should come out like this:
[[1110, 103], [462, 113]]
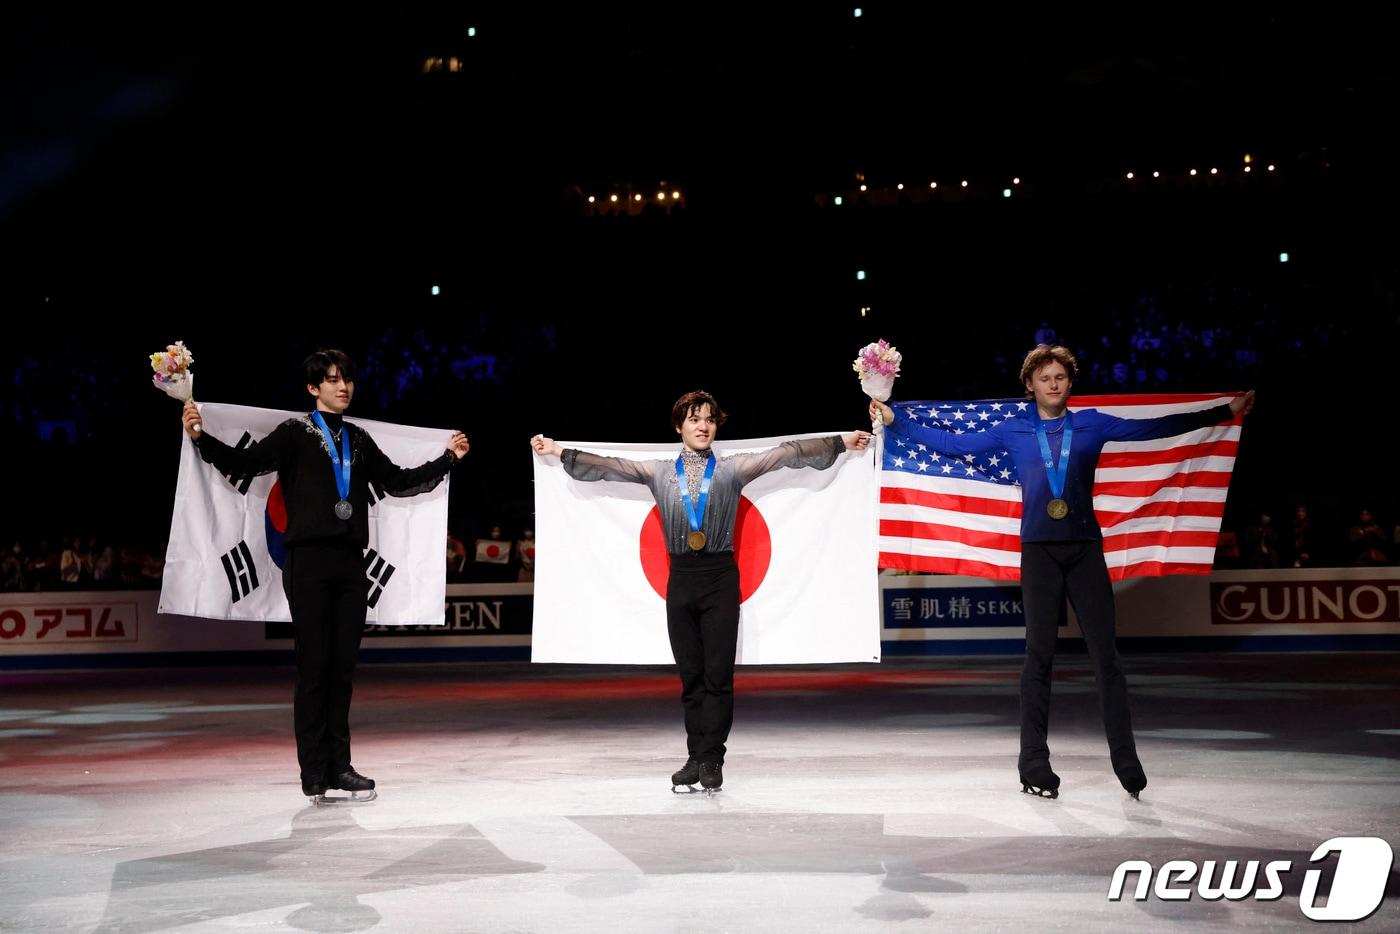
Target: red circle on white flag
[[753, 549]]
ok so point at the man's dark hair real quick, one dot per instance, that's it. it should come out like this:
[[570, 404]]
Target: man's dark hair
[[691, 402], [319, 364]]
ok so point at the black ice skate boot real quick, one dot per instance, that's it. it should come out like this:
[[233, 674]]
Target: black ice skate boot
[[711, 776], [686, 777], [1037, 779]]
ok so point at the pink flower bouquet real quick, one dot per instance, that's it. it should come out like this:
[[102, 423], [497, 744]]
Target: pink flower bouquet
[[878, 365]]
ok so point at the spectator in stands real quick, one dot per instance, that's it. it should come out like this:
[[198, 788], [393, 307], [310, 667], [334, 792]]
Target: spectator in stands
[[43, 567], [12, 572], [456, 558], [75, 565], [104, 566], [1261, 543], [1368, 542], [1302, 549]]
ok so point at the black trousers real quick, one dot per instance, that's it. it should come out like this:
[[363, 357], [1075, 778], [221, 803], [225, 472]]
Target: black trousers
[[1050, 572], [326, 589], [702, 618]]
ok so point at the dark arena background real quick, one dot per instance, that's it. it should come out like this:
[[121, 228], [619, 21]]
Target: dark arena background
[[521, 220]]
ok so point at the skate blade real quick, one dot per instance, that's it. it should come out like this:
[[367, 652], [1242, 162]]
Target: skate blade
[[1039, 792], [684, 790], [355, 797]]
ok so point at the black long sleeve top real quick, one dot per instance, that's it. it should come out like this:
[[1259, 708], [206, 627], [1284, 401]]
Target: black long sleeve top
[[297, 450]]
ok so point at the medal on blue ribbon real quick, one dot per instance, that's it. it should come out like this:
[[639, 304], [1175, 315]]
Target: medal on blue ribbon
[[340, 464], [695, 510], [1055, 474]]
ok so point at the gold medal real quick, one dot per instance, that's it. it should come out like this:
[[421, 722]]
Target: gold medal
[[1058, 509], [696, 540]]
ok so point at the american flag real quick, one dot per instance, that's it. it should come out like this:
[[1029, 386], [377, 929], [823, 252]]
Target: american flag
[[1159, 503]]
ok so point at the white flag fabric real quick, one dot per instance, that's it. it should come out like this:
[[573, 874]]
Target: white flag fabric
[[225, 551], [806, 548]]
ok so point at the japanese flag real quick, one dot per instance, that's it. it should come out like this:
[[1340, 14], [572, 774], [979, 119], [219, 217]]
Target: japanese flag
[[805, 542]]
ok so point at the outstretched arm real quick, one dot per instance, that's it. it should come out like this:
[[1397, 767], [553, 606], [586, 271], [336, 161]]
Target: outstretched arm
[[582, 465], [410, 481], [251, 461], [819, 453], [1169, 426]]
